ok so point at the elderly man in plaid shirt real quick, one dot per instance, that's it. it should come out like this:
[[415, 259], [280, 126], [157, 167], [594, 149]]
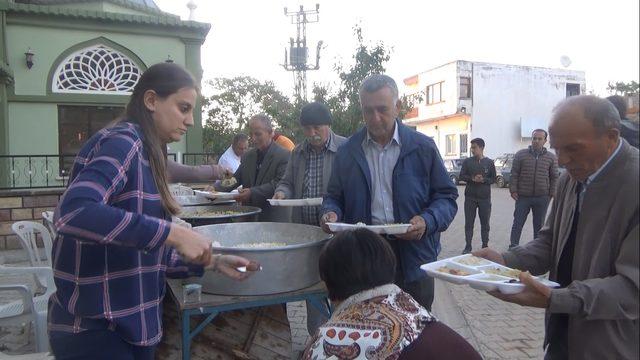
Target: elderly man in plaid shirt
[[308, 173]]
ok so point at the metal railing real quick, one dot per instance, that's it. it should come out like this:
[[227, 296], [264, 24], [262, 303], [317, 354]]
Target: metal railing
[[52, 171], [199, 158], [34, 171]]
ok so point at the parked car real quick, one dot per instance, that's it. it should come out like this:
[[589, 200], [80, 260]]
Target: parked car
[[503, 165], [453, 167]]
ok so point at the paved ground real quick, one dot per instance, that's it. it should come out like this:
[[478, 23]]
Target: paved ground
[[496, 329]]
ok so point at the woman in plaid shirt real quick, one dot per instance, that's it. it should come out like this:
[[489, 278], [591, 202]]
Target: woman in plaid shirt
[[116, 242]]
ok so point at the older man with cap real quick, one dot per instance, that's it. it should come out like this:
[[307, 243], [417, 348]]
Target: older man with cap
[[309, 167], [308, 173], [589, 243]]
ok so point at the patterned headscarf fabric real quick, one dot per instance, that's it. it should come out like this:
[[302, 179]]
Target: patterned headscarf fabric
[[373, 324]]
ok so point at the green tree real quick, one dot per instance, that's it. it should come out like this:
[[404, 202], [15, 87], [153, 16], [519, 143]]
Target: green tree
[[344, 102], [623, 88], [235, 101]]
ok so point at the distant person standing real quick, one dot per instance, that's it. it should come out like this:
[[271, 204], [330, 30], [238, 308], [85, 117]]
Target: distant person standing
[[231, 157], [479, 172], [533, 183], [628, 129]]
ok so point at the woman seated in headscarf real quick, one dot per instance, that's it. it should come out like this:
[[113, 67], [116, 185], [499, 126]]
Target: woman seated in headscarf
[[373, 318]]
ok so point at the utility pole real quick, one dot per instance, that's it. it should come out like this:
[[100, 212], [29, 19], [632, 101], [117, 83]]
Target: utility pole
[[295, 59]]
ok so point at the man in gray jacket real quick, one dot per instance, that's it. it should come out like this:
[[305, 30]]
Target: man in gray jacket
[[533, 182], [309, 167], [307, 175], [589, 243]]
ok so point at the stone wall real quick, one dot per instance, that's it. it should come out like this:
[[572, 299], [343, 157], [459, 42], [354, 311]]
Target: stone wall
[[16, 205]]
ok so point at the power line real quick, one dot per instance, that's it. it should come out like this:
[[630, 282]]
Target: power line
[[296, 58]]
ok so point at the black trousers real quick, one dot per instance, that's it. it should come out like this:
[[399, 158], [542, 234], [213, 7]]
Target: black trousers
[[421, 290], [97, 345], [483, 206], [538, 206]]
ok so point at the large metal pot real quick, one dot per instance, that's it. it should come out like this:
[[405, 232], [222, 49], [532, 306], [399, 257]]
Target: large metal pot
[[197, 215], [284, 268], [195, 200]]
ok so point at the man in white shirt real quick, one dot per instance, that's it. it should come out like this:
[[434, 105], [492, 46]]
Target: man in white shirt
[[230, 159]]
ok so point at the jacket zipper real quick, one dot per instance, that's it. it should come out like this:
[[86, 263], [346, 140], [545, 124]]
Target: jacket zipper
[[535, 174]]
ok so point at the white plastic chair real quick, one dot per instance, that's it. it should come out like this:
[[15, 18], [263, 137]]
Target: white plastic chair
[[48, 222], [27, 232], [28, 308], [180, 190]]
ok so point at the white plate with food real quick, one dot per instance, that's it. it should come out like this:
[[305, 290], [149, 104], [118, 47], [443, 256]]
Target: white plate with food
[[480, 274], [217, 195], [389, 229], [503, 284], [296, 202]]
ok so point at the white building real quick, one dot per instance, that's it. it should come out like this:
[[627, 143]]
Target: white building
[[501, 104]]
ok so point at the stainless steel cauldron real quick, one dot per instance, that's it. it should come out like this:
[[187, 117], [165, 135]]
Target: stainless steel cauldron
[[194, 200], [196, 215], [284, 268]]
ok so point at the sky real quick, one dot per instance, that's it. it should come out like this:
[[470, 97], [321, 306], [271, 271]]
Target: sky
[[248, 37]]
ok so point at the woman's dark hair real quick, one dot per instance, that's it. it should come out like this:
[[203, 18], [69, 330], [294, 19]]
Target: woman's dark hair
[[164, 79], [354, 261]]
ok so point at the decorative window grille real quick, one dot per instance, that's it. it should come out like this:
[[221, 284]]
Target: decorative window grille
[[96, 70]]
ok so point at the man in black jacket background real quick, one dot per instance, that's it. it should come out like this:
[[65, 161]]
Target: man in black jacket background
[[479, 173]]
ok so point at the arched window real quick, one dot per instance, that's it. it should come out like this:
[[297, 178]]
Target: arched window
[[96, 70]]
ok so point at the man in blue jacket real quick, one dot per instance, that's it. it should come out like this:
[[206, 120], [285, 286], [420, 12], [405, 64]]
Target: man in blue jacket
[[388, 173]]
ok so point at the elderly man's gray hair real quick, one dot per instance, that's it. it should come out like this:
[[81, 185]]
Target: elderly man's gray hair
[[264, 119], [602, 114], [376, 82]]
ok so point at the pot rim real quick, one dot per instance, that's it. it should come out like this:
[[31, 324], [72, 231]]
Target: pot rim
[[275, 248], [250, 210]]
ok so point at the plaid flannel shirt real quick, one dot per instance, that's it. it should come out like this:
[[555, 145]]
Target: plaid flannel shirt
[[109, 257], [313, 184]]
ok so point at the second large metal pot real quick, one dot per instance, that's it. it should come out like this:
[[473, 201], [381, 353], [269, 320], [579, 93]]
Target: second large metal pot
[[285, 268], [218, 214]]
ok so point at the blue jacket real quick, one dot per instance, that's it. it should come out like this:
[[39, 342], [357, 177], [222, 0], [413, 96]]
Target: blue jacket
[[421, 186]]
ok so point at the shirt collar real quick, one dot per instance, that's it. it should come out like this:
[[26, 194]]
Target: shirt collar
[[536, 152], [396, 136], [595, 174]]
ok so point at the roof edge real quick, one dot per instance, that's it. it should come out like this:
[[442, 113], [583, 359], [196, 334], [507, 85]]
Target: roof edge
[[495, 64], [162, 18]]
